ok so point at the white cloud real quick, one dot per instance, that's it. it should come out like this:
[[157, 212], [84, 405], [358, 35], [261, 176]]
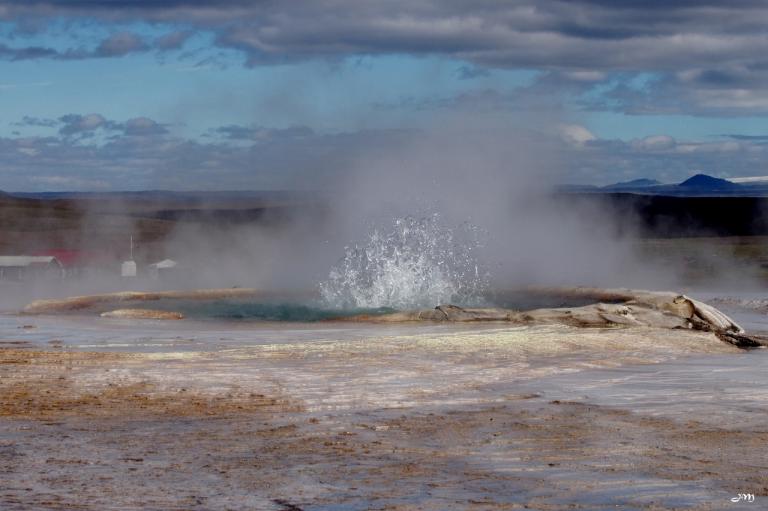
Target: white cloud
[[654, 143], [29, 151], [586, 76], [575, 134]]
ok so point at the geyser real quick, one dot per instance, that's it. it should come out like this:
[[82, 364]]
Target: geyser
[[417, 263]]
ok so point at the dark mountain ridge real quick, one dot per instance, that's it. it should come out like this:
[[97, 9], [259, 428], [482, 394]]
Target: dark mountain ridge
[[705, 182], [699, 185], [642, 182]]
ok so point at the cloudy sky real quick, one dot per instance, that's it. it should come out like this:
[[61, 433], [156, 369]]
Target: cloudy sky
[[237, 94]]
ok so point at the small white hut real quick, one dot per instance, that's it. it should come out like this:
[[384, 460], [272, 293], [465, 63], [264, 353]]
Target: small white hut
[[156, 270], [128, 268]]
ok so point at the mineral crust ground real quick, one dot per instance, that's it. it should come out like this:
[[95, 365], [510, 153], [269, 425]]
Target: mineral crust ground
[[547, 417]]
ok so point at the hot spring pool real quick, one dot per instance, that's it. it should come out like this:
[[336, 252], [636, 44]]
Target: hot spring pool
[[253, 310], [309, 311]]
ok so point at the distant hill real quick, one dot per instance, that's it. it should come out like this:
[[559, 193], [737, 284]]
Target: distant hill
[[138, 202], [679, 216], [700, 185], [635, 183], [702, 182], [95, 222], [169, 195]]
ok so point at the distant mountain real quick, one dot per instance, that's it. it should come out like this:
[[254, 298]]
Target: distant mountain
[[700, 185], [703, 182], [635, 183]]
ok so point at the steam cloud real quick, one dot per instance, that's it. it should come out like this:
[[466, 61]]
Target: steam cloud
[[496, 175]]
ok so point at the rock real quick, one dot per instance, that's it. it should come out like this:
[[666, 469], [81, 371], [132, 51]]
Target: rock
[[603, 315], [142, 314], [451, 313], [699, 313], [395, 317], [639, 308], [743, 340], [454, 313], [76, 303]]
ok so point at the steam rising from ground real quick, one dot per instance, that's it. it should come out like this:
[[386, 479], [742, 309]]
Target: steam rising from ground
[[497, 176], [394, 229]]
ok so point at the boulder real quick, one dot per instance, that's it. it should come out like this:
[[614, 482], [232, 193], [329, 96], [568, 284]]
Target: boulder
[[76, 303], [142, 314], [638, 308]]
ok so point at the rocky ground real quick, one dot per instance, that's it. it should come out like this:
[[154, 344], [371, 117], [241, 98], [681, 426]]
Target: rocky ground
[[404, 424]]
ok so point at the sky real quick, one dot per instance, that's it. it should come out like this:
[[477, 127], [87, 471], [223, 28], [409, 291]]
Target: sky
[[106, 95]]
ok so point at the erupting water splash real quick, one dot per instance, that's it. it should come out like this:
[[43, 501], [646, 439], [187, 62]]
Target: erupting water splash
[[419, 263]]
